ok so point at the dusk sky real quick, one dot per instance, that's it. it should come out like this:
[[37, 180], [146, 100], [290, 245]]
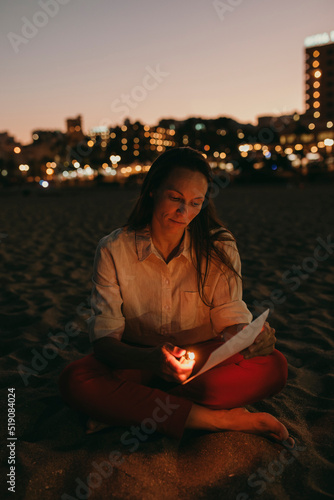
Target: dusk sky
[[86, 56]]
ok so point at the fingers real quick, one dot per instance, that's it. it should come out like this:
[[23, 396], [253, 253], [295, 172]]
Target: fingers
[[175, 375], [172, 368], [264, 343], [179, 368], [262, 351], [266, 332], [174, 350]]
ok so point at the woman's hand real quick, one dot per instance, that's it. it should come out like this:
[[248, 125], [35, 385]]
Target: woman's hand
[[167, 363], [264, 343]]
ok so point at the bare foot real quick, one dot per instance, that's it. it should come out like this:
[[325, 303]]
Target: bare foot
[[238, 419], [261, 423], [94, 426]]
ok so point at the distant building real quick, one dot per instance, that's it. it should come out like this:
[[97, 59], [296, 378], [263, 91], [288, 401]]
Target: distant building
[[10, 156], [74, 130], [46, 136], [278, 122], [319, 84], [7, 144], [100, 131]]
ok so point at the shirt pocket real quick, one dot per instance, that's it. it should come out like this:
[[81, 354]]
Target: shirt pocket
[[193, 310]]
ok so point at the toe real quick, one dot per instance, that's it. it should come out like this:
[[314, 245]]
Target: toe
[[290, 441]]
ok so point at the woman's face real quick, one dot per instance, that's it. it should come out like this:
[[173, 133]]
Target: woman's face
[[179, 199]]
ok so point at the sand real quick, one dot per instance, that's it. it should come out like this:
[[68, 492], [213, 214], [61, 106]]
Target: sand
[[47, 245]]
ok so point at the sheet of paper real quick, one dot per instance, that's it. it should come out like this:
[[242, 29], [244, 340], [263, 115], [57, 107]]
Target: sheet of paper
[[240, 341]]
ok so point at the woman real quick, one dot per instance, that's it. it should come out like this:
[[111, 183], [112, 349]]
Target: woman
[[168, 281]]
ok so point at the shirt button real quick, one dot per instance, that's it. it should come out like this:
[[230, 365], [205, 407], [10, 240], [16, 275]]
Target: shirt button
[[167, 307], [167, 282]]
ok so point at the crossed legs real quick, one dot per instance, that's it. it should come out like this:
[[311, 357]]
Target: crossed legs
[[128, 397]]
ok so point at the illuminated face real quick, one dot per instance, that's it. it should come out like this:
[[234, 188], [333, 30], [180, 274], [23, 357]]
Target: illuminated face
[[179, 199]]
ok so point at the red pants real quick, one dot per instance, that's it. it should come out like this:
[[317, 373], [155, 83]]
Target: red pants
[[127, 397]]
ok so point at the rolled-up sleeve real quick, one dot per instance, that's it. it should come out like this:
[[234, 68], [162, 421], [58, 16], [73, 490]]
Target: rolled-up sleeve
[[228, 307], [106, 299]]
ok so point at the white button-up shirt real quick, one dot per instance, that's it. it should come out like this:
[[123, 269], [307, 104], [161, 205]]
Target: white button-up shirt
[[138, 298]]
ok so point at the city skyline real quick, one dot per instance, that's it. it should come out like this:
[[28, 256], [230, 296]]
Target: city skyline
[[149, 60]]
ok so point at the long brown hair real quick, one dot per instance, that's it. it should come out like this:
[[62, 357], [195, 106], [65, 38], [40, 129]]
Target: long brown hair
[[207, 219]]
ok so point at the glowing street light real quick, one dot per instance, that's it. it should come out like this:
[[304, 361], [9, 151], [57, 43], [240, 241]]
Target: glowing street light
[[23, 168]]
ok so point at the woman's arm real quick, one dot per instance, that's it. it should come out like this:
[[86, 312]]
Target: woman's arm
[[122, 356], [228, 308], [228, 305], [164, 360], [232, 330]]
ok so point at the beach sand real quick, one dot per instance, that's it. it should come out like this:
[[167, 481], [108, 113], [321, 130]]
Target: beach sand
[[47, 246]]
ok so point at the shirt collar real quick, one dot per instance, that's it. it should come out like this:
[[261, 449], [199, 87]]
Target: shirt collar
[[145, 246]]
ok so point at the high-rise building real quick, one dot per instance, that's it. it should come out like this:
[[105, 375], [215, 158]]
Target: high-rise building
[[319, 95], [74, 130]]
